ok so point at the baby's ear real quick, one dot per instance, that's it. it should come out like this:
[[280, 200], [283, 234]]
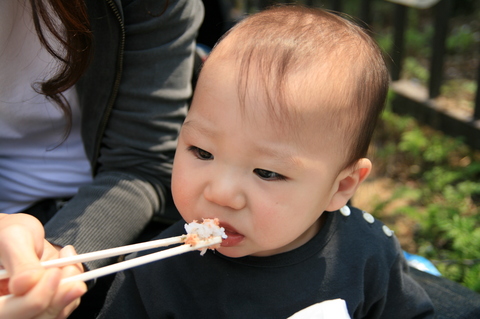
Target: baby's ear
[[347, 183]]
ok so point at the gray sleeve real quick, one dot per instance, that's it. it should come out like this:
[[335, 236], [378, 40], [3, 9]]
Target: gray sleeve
[[137, 147]]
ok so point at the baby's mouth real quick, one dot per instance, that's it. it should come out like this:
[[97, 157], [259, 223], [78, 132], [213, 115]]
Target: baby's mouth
[[234, 238]]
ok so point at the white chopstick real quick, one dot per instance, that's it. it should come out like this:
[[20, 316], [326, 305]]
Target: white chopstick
[[106, 253], [107, 270]]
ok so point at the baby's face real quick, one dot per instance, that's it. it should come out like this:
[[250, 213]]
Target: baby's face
[[267, 188]]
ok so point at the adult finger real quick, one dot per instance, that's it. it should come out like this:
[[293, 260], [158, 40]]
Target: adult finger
[[65, 301], [67, 297], [20, 254], [35, 301], [30, 223]]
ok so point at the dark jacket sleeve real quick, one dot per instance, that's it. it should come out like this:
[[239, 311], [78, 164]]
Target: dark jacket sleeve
[[405, 297], [133, 100], [402, 298]]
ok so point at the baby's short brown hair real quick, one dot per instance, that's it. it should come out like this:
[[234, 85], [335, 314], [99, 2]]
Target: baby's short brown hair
[[285, 39]]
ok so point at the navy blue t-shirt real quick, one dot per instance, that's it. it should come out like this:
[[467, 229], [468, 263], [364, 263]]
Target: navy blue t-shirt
[[353, 258]]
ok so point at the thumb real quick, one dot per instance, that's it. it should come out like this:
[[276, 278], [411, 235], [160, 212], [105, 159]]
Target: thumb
[[18, 252]]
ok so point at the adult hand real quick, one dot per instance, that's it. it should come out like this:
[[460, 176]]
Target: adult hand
[[35, 292]]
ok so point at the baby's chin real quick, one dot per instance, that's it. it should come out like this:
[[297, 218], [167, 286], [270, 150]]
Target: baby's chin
[[236, 252], [230, 252]]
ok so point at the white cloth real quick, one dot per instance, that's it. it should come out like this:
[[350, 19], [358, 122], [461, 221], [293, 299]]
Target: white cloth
[[330, 309], [33, 163]]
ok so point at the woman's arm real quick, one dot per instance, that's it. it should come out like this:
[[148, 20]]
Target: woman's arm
[[131, 143]]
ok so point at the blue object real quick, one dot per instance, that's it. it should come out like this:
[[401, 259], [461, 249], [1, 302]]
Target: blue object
[[421, 263], [203, 49]]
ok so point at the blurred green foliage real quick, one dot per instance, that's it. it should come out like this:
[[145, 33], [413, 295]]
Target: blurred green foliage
[[438, 178]]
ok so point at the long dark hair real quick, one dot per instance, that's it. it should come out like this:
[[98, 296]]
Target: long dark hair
[[75, 37]]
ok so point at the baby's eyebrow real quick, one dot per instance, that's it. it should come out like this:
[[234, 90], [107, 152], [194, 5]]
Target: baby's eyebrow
[[285, 158], [202, 129]]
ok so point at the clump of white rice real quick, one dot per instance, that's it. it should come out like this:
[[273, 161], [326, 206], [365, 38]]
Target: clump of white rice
[[208, 228], [201, 231]]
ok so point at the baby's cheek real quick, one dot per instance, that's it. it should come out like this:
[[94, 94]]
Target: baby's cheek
[[270, 221], [180, 183], [180, 197]]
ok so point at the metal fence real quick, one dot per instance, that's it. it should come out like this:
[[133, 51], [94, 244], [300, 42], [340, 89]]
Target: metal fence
[[423, 106], [420, 102]]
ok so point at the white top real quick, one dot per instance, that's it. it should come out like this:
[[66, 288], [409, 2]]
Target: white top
[[328, 309], [33, 163]]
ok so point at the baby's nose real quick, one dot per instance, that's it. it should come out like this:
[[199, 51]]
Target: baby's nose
[[225, 190]]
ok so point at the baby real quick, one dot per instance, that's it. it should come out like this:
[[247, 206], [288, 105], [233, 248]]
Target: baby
[[274, 146]]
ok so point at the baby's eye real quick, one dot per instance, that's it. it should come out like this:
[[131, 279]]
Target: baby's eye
[[268, 175], [200, 154]]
